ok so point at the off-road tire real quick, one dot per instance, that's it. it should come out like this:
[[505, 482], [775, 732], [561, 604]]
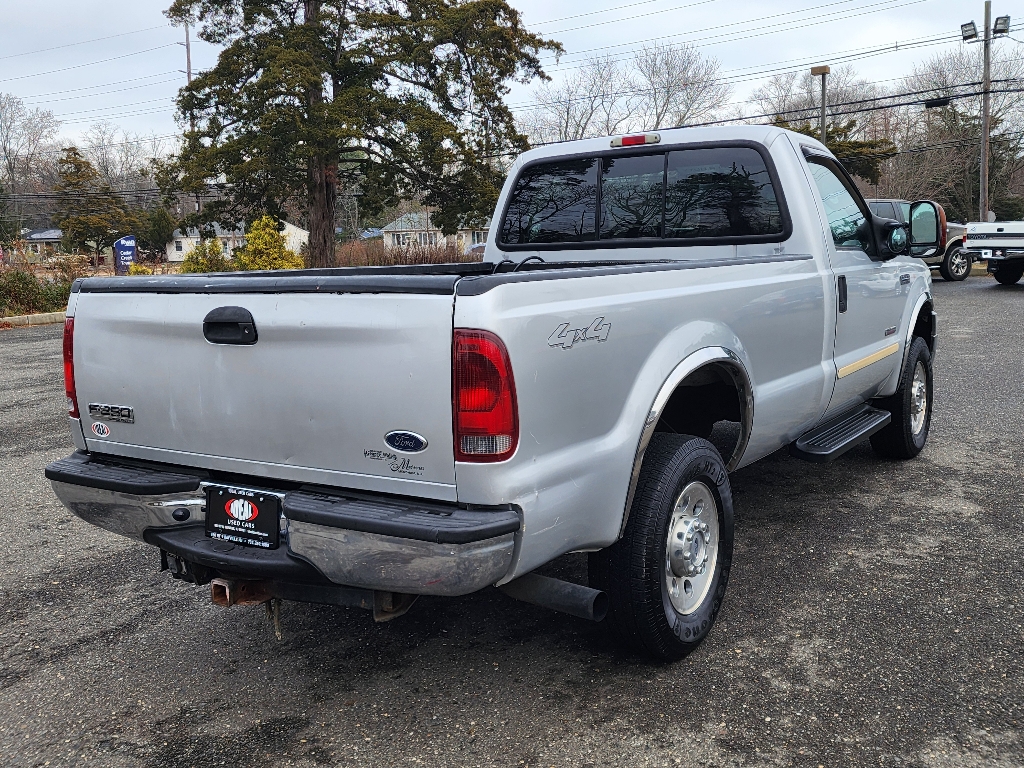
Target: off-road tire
[[899, 440], [956, 264], [1007, 274], [633, 570]]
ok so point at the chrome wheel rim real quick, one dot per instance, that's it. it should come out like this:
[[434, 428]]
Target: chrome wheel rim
[[959, 263], [919, 399], [691, 550]]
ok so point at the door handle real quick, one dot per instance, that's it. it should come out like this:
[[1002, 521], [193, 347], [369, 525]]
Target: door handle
[[842, 293], [229, 325]]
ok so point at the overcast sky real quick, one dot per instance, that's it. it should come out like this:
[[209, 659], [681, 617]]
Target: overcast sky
[[131, 77]]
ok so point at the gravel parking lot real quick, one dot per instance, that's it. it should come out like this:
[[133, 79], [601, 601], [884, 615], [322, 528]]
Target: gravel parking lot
[[874, 617]]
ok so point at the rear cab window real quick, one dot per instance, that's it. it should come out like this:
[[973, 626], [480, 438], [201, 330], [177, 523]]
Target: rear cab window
[[697, 195]]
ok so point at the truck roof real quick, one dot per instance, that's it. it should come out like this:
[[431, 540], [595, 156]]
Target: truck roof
[[762, 134]]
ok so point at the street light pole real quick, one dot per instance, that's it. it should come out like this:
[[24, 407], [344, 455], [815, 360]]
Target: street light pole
[[986, 86], [823, 72]]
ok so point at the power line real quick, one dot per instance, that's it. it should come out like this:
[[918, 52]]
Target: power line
[[101, 85], [87, 64], [820, 19], [82, 42], [164, 99], [864, 53], [104, 93], [594, 13], [644, 15]]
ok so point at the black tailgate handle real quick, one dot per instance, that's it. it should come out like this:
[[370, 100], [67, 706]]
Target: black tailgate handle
[[229, 325]]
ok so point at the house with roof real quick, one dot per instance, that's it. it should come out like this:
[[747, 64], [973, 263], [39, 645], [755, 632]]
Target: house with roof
[[416, 228], [183, 242], [41, 241]]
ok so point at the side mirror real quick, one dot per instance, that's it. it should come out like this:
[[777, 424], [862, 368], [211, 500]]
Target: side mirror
[[927, 228], [892, 238]]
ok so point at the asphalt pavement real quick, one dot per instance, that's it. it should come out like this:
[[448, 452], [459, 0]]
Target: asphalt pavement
[[874, 618]]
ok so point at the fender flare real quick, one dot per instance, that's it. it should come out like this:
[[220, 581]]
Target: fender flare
[[922, 300], [690, 364]]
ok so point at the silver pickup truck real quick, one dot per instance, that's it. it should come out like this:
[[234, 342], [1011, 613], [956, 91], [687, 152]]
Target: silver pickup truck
[[652, 312]]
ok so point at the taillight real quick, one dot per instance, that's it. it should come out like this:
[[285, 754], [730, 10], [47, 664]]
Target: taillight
[[69, 367], [486, 420]]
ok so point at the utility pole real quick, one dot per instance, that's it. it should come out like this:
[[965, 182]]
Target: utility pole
[[986, 86], [822, 72], [188, 56], [969, 31]]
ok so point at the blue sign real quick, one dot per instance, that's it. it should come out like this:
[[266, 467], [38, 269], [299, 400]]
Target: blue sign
[[124, 254]]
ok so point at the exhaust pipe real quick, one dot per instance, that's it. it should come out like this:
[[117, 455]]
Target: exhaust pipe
[[562, 596]]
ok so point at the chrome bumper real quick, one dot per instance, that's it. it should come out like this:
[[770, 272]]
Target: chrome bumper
[[345, 557]]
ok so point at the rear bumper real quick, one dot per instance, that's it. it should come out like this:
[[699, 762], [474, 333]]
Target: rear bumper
[[328, 536], [995, 254]]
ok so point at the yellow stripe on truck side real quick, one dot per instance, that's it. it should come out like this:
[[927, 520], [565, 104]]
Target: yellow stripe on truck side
[[864, 362]]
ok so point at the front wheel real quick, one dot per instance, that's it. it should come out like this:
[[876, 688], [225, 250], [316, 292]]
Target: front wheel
[[666, 577], [956, 265], [1008, 274], [910, 406]]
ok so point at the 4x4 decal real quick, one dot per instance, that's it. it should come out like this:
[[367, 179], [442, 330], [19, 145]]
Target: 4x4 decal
[[564, 336]]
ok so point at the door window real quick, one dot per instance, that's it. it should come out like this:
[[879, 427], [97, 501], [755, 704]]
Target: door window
[[722, 192], [553, 203], [846, 219]]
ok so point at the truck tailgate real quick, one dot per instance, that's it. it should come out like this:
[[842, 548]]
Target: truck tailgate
[[311, 401]]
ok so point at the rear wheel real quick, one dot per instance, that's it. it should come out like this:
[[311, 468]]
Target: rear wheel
[[1008, 274], [956, 265], [910, 406], [666, 577]]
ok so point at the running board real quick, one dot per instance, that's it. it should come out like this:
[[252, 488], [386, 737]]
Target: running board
[[835, 437]]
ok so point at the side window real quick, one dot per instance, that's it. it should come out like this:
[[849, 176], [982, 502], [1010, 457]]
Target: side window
[[847, 221], [722, 192], [905, 208], [553, 203], [885, 210], [632, 191]]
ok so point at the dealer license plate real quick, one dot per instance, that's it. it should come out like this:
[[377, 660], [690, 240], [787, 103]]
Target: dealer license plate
[[243, 516]]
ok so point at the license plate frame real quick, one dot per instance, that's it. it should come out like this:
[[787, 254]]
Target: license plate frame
[[243, 516]]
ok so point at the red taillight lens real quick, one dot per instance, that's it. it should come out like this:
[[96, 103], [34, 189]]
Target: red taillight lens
[[483, 398], [632, 141], [69, 367]]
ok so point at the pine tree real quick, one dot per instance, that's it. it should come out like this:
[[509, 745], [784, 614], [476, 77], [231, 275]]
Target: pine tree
[[91, 215], [393, 99]]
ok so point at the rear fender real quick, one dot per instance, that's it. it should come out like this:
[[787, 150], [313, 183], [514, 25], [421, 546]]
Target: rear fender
[[688, 366]]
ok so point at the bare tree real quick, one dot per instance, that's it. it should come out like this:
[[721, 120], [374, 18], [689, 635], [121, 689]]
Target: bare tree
[[796, 96], [661, 86], [939, 147], [678, 85], [24, 134], [594, 100]]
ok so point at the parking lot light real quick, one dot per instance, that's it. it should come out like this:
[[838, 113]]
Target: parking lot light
[[969, 31], [1002, 26]]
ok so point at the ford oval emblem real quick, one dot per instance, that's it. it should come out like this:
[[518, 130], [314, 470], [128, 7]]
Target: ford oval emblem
[[406, 442]]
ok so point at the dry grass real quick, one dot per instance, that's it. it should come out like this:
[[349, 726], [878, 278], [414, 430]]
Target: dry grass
[[373, 253]]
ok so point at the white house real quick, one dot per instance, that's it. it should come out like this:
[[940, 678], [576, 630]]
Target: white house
[[182, 243], [417, 228]]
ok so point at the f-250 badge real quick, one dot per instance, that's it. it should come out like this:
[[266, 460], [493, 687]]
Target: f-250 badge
[[565, 337]]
